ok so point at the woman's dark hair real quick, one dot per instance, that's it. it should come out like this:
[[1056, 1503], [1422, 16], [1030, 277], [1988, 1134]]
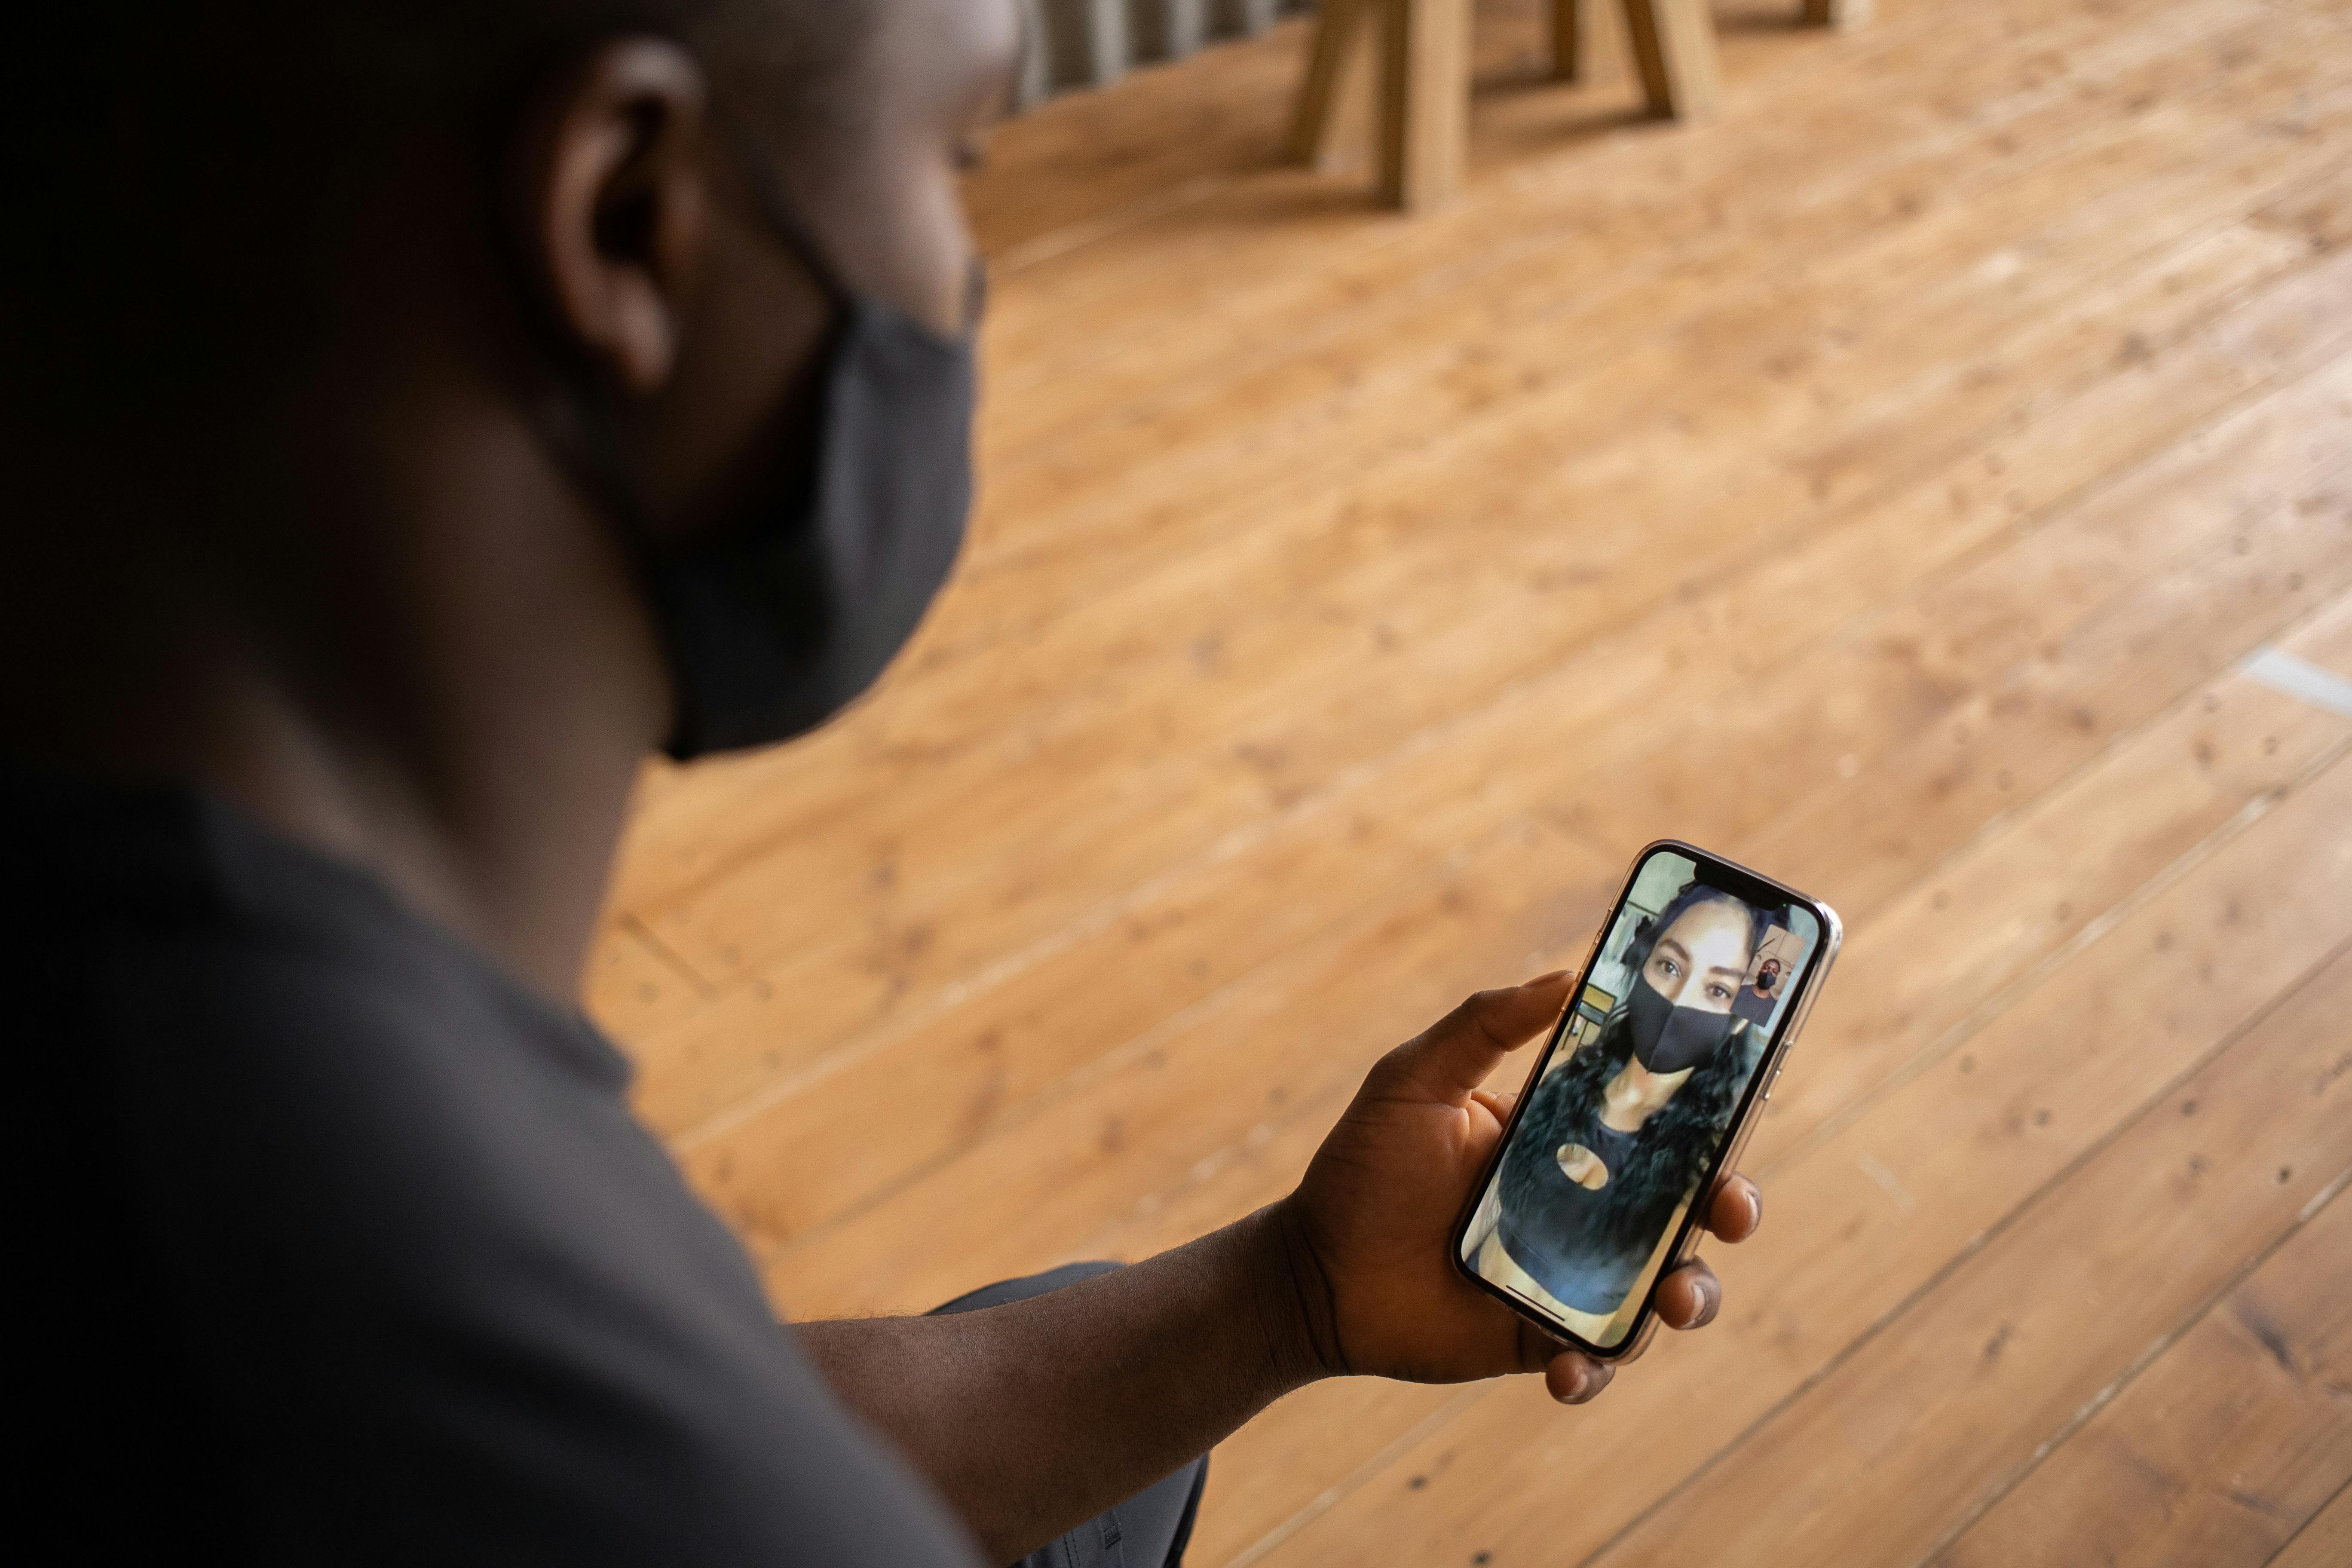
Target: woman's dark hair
[[1671, 1151], [1647, 930]]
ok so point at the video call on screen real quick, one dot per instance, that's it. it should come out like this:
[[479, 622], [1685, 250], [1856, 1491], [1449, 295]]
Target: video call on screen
[[1645, 1075]]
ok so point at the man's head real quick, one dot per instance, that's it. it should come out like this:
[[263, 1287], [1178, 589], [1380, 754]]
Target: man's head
[[197, 183], [299, 292]]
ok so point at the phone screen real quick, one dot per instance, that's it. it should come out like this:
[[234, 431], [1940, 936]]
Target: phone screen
[[1638, 1090]]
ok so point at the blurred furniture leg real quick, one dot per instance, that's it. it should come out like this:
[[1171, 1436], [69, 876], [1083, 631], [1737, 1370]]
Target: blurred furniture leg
[[1424, 100], [1421, 53], [1423, 47], [1838, 13], [1673, 48], [1335, 56], [1569, 44]]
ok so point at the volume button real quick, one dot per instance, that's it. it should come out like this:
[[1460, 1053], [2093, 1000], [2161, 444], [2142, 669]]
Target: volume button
[[1804, 1016]]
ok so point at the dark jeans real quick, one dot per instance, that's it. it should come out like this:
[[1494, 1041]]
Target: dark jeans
[[1149, 1530]]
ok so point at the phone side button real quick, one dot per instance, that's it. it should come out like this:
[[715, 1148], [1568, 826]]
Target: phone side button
[[1774, 1081]]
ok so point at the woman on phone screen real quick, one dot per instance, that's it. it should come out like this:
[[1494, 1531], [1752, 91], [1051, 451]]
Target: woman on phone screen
[[1618, 1135]]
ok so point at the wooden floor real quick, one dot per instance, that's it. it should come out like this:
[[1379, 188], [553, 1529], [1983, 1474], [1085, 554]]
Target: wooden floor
[[1887, 486]]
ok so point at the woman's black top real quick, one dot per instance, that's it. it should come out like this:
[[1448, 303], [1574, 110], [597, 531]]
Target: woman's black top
[[1557, 1229]]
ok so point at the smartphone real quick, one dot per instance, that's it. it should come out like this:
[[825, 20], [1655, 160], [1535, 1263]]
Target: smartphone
[[1695, 987]]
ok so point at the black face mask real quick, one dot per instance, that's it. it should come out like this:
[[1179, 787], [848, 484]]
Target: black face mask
[[1667, 1039], [782, 621], [776, 618]]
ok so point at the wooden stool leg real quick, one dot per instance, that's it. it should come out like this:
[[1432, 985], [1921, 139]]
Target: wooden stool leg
[[1424, 100], [1569, 42], [1339, 32], [1674, 44], [1837, 12]]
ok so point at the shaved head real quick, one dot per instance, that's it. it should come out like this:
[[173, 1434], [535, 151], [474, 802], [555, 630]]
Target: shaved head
[[354, 353], [190, 175]]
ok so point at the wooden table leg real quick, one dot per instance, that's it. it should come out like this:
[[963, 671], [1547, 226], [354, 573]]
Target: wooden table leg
[[1673, 46], [1569, 43], [1341, 28], [1424, 100], [1838, 13], [1423, 87]]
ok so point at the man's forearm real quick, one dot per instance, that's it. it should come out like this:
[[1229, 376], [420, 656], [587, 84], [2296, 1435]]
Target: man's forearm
[[1034, 1417]]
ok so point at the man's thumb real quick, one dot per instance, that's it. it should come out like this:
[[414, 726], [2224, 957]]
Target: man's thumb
[[1456, 1054]]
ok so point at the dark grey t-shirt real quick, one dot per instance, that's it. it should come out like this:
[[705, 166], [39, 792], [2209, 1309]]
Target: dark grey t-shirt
[[337, 1246]]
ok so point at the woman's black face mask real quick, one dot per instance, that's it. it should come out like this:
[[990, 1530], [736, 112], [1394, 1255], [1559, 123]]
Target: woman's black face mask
[[777, 618], [1668, 1038]]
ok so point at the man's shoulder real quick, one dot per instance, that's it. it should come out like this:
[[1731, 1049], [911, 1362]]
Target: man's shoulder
[[400, 1251]]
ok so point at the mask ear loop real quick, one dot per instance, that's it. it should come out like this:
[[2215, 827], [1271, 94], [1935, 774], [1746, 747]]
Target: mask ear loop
[[776, 209], [576, 416]]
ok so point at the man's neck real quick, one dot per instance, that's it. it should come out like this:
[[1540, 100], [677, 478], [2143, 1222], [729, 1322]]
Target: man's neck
[[459, 706]]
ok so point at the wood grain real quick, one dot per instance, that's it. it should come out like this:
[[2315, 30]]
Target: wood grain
[[1678, 655], [2325, 1541], [1424, 93], [1882, 483], [1871, 1217], [2222, 1450], [1374, 847], [2019, 1337], [1167, 799], [1674, 55]]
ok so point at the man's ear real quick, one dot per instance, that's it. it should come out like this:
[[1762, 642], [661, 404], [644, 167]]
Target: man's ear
[[616, 198]]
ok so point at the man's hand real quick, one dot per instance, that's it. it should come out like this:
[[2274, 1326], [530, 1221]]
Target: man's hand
[[1032, 1417], [1368, 1226]]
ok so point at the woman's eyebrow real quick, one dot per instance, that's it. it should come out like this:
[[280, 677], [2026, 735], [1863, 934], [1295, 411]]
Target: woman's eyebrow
[[1678, 947]]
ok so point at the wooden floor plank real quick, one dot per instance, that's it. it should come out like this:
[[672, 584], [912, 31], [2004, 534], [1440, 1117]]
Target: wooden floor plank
[[876, 970], [1596, 702], [1137, 1140], [1917, 979], [1870, 1220], [778, 1173], [1533, 316], [2325, 1541], [2047, 879], [1632, 196], [1593, 334], [1531, 320], [2219, 1452], [946, 714], [1931, 1414], [1882, 485], [949, 714]]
